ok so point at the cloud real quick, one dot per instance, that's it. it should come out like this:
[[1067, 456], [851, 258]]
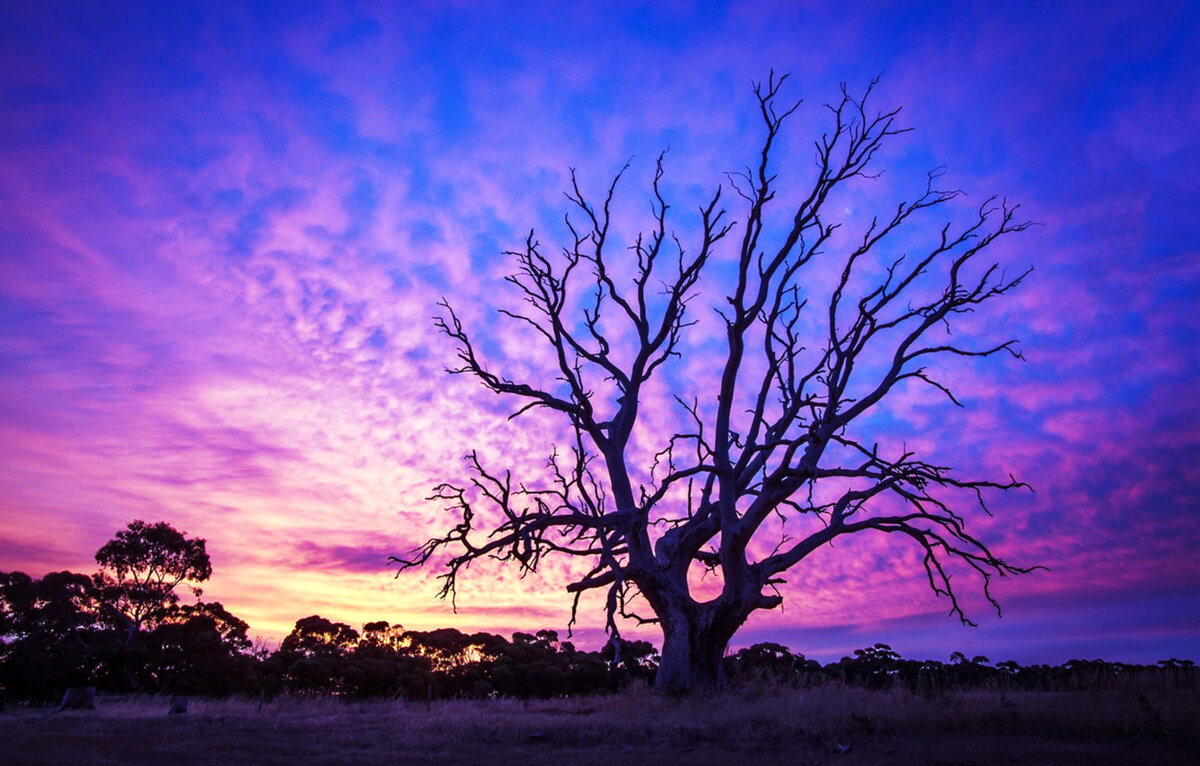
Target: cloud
[[342, 558]]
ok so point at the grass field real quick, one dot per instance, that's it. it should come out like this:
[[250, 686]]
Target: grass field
[[758, 725]]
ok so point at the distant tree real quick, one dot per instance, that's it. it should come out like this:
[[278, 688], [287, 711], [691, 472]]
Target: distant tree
[[315, 636], [384, 663], [448, 648], [381, 635], [631, 660], [61, 605], [873, 666], [140, 569], [785, 432], [198, 649], [771, 661], [233, 631], [48, 629], [314, 657], [529, 666]]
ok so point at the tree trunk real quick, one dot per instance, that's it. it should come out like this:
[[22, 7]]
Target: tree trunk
[[693, 653]]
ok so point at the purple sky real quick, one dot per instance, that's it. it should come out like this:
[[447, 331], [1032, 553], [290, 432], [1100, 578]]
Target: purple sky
[[223, 233]]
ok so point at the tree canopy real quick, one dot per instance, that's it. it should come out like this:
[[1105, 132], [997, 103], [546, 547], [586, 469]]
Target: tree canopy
[[143, 564]]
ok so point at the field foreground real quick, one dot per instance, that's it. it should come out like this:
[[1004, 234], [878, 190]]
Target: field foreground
[[824, 725]]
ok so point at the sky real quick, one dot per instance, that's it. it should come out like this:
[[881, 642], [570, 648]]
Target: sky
[[224, 230]]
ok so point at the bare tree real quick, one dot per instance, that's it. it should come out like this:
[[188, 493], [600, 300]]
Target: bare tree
[[778, 440]]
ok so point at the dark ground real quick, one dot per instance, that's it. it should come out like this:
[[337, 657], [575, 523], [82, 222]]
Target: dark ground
[[809, 728]]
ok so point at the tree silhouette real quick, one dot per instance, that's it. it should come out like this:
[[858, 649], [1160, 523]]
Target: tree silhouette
[[141, 567], [46, 633], [783, 437], [232, 630], [770, 661], [198, 649], [315, 636]]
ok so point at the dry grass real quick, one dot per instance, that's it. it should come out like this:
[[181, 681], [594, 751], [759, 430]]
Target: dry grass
[[764, 723]]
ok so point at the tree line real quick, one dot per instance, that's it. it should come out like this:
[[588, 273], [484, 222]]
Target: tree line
[[125, 630]]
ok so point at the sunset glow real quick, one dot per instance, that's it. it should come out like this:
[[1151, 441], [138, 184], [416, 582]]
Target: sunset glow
[[224, 233]]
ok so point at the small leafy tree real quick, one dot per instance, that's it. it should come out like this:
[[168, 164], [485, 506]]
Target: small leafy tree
[[140, 569], [315, 636]]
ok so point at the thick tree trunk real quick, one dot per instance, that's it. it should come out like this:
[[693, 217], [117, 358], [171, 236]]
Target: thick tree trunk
[[693, 653]]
